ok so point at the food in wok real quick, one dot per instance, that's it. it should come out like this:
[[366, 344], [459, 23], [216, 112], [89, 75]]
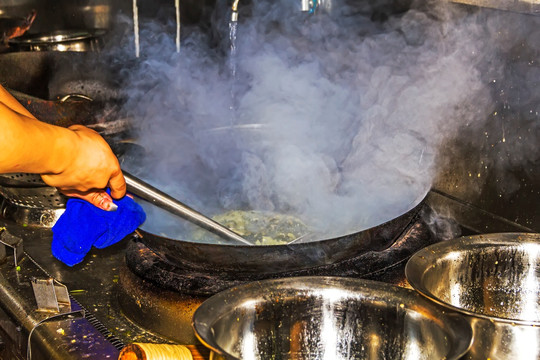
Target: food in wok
[[260, 227]]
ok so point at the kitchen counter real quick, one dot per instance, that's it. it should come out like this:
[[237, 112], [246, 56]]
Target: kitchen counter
[[94, 286]]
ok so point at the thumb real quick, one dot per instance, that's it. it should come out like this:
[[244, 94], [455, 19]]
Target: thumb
[[117, 184]]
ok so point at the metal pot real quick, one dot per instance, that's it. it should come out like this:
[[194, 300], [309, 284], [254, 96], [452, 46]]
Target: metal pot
[[272, 259], [61, 40], [328, 318], [491, 279], [49, 75]]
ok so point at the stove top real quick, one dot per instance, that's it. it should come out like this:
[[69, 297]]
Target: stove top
[[120, 306], [388, 263]]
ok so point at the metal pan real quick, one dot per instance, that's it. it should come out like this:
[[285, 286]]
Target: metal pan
[[305, 318], [492, 281], [61, 40], [278, 258]]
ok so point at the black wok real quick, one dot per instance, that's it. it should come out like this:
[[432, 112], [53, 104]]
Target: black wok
[[278, 258]]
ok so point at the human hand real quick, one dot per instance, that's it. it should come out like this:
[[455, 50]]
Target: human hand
[[85, 171]]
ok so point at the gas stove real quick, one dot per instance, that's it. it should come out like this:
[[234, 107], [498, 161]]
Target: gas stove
[[127, 293]]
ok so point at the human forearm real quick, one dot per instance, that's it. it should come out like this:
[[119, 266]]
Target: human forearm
[[76, 160], [7, 99], [29, 145]]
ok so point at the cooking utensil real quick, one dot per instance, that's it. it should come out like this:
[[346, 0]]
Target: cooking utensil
[[71, 109], [61, 40], [164, 201], [150, 351], [328, 318], [49, 75], [272, 259], [494, 281], [528, 7]]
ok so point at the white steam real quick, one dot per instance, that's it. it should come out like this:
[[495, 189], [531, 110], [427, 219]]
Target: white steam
[[338, 118]]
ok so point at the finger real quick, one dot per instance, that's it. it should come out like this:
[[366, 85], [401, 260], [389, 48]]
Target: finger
[[117, 184], [78, 127], [98, 198]]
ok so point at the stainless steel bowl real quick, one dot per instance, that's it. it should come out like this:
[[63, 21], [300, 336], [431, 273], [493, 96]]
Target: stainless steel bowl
[[493, 280], [328, 318]]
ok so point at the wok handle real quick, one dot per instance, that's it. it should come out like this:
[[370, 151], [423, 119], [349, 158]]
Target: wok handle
[[149, 193], [149, 351]]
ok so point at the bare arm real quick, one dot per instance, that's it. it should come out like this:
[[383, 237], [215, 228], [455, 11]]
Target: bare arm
[[7, 99], [76, 160]]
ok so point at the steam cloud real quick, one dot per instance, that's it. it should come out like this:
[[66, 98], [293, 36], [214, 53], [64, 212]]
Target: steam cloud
[[338, 117]]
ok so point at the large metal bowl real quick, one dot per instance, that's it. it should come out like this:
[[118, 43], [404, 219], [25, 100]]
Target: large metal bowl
[[493, 280], [328, 318]]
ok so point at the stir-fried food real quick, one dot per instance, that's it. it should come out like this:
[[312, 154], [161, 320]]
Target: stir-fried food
[[263, 228]]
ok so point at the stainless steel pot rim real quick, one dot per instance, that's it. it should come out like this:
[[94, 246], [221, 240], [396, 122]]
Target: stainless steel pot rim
[[414, 206], [436, 251], [239, 127], [322, 251], [477, 315], [360, 286], [58, 36]]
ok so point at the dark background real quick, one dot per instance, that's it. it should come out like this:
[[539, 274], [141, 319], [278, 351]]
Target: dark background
[[495, 167]]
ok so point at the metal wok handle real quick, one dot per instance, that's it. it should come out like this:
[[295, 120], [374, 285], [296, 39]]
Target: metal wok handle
[[149, 193]]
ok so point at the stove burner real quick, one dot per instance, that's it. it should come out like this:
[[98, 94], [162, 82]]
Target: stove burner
[[165, 313], [29, 216], [162, 297], [28, 201], [386, 265]]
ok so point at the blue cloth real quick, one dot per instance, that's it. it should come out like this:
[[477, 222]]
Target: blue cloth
[[82, 225]]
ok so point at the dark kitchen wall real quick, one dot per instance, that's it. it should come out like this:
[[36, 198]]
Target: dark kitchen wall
[[102, 14], [495, 167], [56, 15]]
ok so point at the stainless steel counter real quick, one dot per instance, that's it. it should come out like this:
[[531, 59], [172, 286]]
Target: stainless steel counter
[[96, 330]]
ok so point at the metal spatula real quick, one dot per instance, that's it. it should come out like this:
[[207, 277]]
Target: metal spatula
[[166, 202]]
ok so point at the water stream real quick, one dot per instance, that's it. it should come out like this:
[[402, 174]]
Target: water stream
[[177, 9], [136, 27], [233, 64]]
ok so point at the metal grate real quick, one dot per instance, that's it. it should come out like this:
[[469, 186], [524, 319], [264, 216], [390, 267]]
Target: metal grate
[[102, 329], [34, 197]]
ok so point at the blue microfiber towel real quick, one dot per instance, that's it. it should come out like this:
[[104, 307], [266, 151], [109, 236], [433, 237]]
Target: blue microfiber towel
[[82, 225]]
